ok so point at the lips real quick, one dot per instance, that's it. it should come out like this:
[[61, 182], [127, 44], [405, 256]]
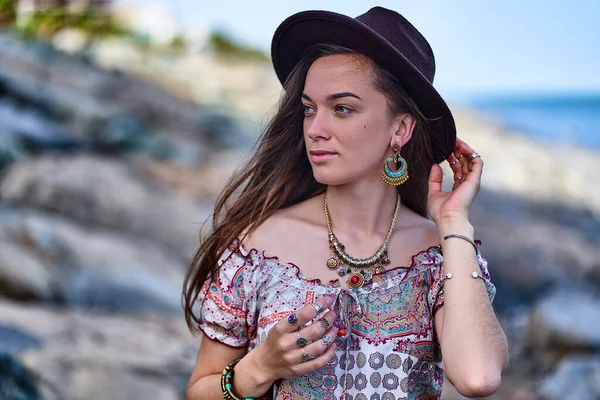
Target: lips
[[320, 152], [318, 156]]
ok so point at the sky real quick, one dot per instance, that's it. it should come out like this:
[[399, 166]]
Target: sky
[[481, 46]]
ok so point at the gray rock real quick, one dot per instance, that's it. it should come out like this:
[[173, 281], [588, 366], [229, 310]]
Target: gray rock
[[106, 193], [575, 379], [88, 267], [22, 275], [101, 356], [105, 107], [566, 320], [16, 340], [15, 381]]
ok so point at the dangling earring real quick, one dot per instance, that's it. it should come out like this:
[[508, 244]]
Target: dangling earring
[[394, 178]]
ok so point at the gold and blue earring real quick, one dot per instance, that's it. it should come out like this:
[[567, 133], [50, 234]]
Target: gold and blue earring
[[398, 177]]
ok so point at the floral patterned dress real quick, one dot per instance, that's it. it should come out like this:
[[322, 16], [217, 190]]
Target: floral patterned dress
[[390, 350]]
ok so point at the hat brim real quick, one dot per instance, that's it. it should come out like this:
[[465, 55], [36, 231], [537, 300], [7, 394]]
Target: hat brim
[[305, 29]]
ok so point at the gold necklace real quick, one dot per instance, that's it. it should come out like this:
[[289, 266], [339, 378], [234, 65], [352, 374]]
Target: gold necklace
[[344, 263]]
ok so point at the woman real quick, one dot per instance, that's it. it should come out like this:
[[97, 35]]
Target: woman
[[323, 276]]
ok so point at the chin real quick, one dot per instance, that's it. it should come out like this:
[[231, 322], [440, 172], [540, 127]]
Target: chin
[[328, 178]]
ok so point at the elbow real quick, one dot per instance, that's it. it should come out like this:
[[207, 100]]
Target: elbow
[[192, 392], [479, 384]]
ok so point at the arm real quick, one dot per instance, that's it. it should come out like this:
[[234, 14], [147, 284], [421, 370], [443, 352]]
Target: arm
[[278, 357], [474, 347], [213, 356]]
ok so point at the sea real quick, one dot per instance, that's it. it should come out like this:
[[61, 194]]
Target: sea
[[570, 120]]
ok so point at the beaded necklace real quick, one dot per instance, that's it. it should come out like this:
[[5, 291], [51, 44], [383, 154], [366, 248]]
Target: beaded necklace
[[365, 267]]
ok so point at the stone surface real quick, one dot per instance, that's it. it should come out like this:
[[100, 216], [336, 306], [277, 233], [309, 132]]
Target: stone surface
[[15, 381], [22, 275], [88, 267], [104, 192], [566, 319], [99, 356], [575, 379]]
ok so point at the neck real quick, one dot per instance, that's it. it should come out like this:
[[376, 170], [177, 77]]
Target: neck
[[362, 213]]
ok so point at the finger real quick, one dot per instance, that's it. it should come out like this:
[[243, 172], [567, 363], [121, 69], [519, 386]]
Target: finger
[[456, 166], [476, 166], [464, 164], [304, 315], [319, 346], [315, 330], [435, 178], [316, 363]]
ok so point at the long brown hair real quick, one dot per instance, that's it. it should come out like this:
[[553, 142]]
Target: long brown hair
[[279, 174]]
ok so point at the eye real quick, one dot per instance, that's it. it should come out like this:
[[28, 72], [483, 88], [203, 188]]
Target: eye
[[343, 109], [307, 110]]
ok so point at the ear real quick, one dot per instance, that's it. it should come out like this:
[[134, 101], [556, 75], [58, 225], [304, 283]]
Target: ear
[[402, 127]]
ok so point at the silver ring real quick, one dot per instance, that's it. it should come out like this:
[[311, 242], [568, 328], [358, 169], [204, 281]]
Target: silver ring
[[292, 319], [306, 356], [327, 340], [318, 307], [301, 342], [474, 155]]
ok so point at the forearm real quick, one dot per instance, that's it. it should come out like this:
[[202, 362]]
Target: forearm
[[205, 388], [474, 347], [249, 381]]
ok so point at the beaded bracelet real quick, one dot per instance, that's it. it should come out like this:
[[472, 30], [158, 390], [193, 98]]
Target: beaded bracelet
[[227, 384]]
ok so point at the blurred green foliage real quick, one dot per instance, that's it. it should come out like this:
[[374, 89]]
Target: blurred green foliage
[[44, 23], [225, 45], [8, 12], [178, 43]]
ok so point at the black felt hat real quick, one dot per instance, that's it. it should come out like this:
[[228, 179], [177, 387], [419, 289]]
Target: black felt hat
[[386, 37]]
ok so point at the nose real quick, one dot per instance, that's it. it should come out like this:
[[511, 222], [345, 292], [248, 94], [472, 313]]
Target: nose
[[318, 126]]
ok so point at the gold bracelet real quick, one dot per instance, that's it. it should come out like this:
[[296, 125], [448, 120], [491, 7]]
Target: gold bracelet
[[468, 239]]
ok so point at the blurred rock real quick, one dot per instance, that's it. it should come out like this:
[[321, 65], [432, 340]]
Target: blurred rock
[[70, 40], [105, 357], [531, 169], [87, 267], [107, 193], [23, 276], [63, 96], [566, 321], [15, 340], [575, 379], [525, 255], [15, 381]]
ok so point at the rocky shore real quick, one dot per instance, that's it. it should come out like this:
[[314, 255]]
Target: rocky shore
[[110, 159]]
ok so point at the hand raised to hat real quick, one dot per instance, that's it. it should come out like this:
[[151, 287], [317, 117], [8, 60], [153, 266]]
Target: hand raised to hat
[[467, 167]]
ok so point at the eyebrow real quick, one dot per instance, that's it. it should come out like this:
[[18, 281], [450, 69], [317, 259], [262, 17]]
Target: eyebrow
[[334, 96]]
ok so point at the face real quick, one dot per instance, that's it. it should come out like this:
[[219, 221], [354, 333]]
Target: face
[[347, 129]]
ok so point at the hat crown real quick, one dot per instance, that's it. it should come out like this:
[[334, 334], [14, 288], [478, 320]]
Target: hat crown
[[403, 36]]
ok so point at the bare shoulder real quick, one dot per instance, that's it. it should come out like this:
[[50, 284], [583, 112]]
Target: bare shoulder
[[286, 226]]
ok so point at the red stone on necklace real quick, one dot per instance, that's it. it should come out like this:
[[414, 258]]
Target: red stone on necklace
[[354, 279]]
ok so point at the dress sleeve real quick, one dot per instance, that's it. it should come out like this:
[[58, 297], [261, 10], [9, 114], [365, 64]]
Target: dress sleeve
[[223, 302], [436, 292]]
